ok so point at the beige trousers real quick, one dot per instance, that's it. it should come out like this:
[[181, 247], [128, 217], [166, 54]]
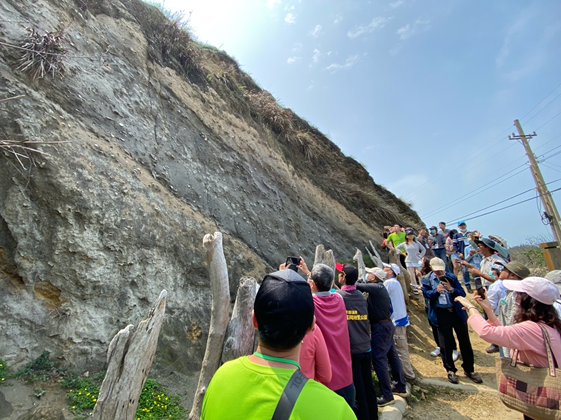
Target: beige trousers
[[400, 340]]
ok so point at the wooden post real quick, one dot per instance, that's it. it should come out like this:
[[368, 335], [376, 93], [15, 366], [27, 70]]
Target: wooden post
[[403, 277], [378, 260], [240, 335], [360, 264], [129, 359], [325, 257], [218, 273]]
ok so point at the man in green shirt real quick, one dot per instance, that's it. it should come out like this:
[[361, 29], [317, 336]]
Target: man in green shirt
[[397, 237], [250, 387]]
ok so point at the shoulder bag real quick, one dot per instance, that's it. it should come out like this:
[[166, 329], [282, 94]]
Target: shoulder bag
[[533, 391], [289, 395]]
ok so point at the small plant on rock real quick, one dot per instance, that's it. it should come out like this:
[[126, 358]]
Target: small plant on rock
[[4, 372], [43, 54]]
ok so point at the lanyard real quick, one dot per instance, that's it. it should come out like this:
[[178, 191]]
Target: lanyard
[[277, 359]]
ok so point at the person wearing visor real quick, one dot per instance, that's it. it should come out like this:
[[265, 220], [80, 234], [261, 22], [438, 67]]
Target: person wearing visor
[[251, 387], [535, 317]]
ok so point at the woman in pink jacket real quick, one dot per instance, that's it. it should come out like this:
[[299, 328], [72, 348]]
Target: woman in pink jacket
[[535, 298]]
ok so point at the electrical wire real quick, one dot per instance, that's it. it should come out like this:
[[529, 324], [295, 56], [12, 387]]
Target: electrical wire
[[512, 205], [550, 156], [547, 165], [549, 103], [500, 202], [420, 188], [546, 143], [549, 151], [524, 116], [547, 122], [429, 213]]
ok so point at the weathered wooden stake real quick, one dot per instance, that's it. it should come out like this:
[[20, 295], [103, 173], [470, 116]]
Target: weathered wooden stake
[[360, 264], [129, 359], [378, 260], [325, 257], [240, 335], [218, 273]]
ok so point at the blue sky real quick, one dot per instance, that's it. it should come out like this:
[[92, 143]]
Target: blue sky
[[423, 93]]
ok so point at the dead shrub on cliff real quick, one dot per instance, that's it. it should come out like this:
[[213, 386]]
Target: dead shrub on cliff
[[265, 106], [168, 36], [43, 54]]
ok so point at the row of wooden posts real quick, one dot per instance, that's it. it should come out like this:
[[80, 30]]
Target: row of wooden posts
[[131, 352]]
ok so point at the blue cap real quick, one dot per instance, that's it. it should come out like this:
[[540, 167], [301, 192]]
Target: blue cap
[[461, 222]]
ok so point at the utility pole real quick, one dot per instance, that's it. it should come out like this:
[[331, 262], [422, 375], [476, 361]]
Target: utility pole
[[551, 212]]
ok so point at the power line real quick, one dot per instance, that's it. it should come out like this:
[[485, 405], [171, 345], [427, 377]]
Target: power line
[[500, 202], [429, 213], [547, 165], [549, 151], [419, 189], [547, 122], [524, 116], [548, 157], [549, 103], [422, 187], [512, 205], [546, 143]]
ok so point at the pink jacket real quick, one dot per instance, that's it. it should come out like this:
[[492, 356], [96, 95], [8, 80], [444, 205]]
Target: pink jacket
[[526, 336], [331, 316], [314, 358]]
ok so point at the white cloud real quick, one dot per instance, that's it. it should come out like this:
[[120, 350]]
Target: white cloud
[[298, 46], [505, 49], [289, 18], [316, 56], [292, 60], [338, 19], [377, 22], [316, 31], [272, 3], [349, 62], [407, 31], [396, 4], [310, 87]]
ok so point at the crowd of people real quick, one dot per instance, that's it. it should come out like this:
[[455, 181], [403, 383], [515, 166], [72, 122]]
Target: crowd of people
[[319, 342]]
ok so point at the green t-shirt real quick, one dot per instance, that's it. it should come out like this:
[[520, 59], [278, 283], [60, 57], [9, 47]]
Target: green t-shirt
[[396, 239], [241, 389]]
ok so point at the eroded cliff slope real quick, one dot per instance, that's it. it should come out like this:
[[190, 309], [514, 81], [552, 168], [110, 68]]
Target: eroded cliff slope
[[159, 149]]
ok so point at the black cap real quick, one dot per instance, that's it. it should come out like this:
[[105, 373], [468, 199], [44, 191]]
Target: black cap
[[351, 273], [284, 304]]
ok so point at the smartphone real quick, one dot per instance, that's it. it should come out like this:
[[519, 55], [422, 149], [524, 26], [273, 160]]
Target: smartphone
[[292, 263], [482, 292]]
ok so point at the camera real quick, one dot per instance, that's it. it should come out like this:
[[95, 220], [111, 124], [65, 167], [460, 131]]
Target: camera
[[292, 263]]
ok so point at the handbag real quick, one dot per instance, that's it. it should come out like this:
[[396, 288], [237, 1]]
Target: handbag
[[534, 391]]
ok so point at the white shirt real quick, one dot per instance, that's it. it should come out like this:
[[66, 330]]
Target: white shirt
[[398, 301]]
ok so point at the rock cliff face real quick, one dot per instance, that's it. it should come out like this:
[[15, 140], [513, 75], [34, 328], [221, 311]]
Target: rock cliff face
[[158, 151]]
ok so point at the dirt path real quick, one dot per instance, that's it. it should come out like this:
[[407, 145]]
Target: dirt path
[[431, 402]]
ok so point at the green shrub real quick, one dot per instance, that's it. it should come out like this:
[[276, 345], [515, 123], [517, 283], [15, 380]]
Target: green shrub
[[4, 372], [154, 401], [41, 369], [83, 396]]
